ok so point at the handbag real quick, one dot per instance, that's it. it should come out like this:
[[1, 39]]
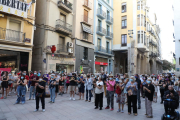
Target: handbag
[[79, 85]]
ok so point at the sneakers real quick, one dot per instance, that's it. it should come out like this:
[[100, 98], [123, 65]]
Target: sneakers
[[35, 110], [2, 98], [107, 107], [112, 109], [43, 110], [118, 110], [70, 98], [122, 111], [74, 99], [50, 101]]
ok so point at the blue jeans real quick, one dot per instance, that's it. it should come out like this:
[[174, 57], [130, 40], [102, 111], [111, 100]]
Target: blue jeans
[[88, 91], [52, 94], [31, 89], [21, 92]]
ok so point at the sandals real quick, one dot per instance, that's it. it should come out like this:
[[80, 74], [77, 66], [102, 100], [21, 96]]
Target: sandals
[[135, 114], [2, 98], [129, 113]]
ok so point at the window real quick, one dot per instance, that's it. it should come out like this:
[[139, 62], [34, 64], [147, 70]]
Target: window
[[15, 25], [63, 17], [147, 26], [123, 7], [86, 16], [107, 46], [140, 36], [124, 40], [138, 5], [99, 6], [61, 40], [143, 21], [108, 28], [147, 41], [124, 22], [107, 1], [144, 38], [99, 23], [108, 13], [85, 35], [179, 61], [85, 53], [99, 44]]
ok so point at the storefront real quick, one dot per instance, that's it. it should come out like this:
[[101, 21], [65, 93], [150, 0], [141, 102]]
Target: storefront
[[14, 60], [101, 64], [60, 64]]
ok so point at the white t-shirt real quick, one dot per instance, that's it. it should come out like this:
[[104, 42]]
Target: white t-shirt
[[97, 90]]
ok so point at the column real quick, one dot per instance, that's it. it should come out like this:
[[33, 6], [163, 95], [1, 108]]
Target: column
[[30, 61]]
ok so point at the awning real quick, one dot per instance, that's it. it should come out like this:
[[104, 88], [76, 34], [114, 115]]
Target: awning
[[86, 28]]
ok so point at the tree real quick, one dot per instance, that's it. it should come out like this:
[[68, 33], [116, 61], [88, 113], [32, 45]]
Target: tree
[[167, 65]]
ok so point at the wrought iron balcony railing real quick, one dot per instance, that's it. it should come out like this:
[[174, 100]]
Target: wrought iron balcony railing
[[62, 26], [103, 49]]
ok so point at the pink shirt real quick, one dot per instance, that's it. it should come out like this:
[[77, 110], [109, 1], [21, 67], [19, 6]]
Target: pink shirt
[[109, 88]]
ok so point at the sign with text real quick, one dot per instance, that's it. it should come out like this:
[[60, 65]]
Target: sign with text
[[14, 7], [101, 63]]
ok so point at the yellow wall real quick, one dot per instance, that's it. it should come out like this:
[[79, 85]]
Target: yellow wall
[[3, 22]]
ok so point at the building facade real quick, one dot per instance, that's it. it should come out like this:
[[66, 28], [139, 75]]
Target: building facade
[[177, 35], [136, 39], [54, 33], [83, 35], [103, 36], [17, 20]]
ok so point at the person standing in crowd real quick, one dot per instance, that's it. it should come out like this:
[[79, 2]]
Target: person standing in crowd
[[45, 77], [52, 88], [21, 90], [126, 80], [110, 92], [34, 79], [138, 91], [30, 82], [132, 88], [57, 78], [81, 82], [72, 85], [94, 85], [103, 78], [19, 73], [99, 94], [61, 85], [67, 82], [149, 92], [15, 81], [4, 84], [168, 82], [155, 83], [143, 84], [162, 87], [10, 83], [40, 93], [171, 94], [88, 84]]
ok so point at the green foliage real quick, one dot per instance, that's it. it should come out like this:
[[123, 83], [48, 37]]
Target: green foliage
[[167, 65]]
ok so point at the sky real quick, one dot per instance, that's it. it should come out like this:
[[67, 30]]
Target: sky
[[165, 15]]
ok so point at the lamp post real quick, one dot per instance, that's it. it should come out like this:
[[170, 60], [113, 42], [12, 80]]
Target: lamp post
[[130, 33]]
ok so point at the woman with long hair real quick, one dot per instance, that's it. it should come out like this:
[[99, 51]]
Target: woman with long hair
[[4, 84], [21, 90], [16, 77]]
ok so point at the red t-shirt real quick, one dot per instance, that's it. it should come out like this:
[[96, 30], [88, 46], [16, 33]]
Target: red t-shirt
[[18, 73], [118, 90], [27, 77]]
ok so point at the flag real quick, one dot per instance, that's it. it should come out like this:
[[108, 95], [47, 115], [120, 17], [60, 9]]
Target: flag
[[29, 4], [81, 69]]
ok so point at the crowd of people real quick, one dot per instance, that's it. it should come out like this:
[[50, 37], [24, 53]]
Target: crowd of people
[[125, 89]]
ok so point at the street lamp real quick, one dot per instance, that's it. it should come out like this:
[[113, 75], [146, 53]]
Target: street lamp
[[130, 33]]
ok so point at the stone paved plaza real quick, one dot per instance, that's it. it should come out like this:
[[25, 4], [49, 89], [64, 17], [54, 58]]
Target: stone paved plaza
[[64, 109]]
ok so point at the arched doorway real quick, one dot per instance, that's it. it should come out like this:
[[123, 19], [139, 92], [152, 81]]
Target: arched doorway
[[151, 66]]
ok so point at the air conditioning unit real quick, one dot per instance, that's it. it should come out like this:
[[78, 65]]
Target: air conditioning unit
[[70, 44], [70, 50]]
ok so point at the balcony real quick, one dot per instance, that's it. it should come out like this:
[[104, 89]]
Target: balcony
[[63, 27], [101, 31], [142, 47], [102, 50], [86, 20], [8, 35], [151, 54], [65, 6], [109, 35], [101, 14], [87, 37], [62, 49], [123, 44], [109, 20], [87, 4]]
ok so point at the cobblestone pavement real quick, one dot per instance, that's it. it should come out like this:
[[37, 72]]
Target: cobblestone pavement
[[64, 109]]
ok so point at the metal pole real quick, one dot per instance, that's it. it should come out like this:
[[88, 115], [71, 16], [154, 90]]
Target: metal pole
[[130, 56]]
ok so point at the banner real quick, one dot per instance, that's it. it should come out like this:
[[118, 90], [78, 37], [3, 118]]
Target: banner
[[81, 69], [14, 7], [4, 69], [101, 63]]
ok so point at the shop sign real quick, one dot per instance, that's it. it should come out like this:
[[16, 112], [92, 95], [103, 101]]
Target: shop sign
[[101, 63], [14, 7], [67, 62]]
